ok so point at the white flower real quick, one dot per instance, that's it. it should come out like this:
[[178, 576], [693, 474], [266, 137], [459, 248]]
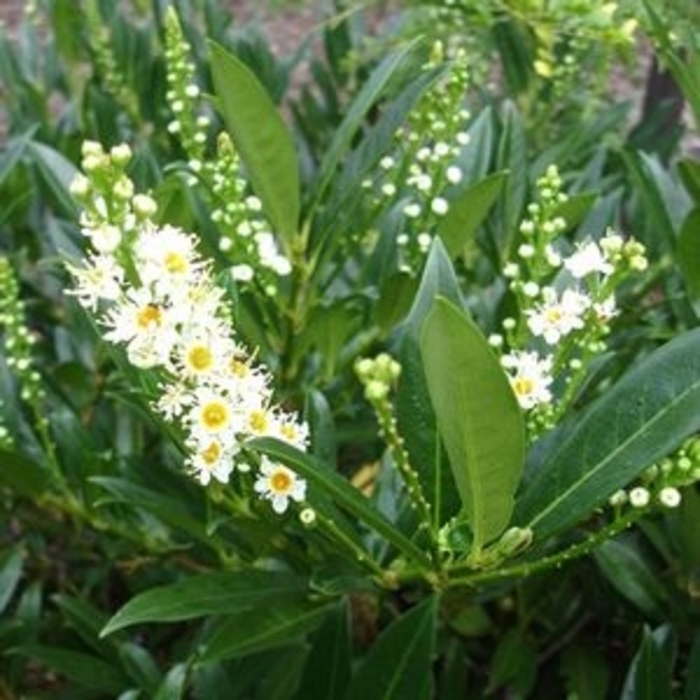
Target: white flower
[[556, 318], [278, 484], [142, 321], [211, 459], [100, 278], [166, 258], [213, 414], [530, 377], [587, 258]]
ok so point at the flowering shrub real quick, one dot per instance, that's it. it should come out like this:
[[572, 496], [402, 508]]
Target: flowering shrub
[[409, 410]]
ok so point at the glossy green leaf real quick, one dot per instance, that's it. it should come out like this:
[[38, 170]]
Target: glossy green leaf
[[340, 491], [270, 626], [649, 677], [626, 569], [642, 418], [173, 685], [399, 663], [575, 209], [478, 417], [688, 252], [327, 669], [262, 139], [11, 562], [415, 414], [218, 593], [468, 211]]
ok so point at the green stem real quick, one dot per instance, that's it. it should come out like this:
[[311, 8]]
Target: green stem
[[580, 549], [356, 552], [390, 432]]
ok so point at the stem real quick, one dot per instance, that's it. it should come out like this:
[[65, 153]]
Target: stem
[[389, 429], [576, 551], [357, 553]]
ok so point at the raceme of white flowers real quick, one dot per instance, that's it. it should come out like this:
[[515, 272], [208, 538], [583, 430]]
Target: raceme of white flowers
[[566, 303], [154, 295]]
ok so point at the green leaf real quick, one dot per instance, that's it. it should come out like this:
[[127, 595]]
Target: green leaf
[[585, 672], [512, 156], [688, 252], [356, 115], [270, 626], [173, 685], [478, 417], [167, 508], [663, 201], [218, 593], [399, 663], [625, 568], [83, 669], [514, 664], [692, 685], [340, 491], [10, 574], [649, 677], [57, 172], [415, 415], [689, 172], [23, 476], [642, 418], [468, 211], [262, 139], [327, 669]]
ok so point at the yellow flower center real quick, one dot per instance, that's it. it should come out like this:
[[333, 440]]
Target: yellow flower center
[[148, 315], [215, 415], [200, 358], [280, 482], [523, 386], [175, 263], [212, 453], [238, 368], [553, 315], [288, 431], [257, 421]]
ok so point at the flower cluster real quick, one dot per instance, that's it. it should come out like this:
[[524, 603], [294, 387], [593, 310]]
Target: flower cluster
[[246, 237], [425, 160], [566, 300], [155, 296]]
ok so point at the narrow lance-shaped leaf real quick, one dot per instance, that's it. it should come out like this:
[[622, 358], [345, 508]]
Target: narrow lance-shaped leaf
[[399, 663], [414, 413], [262, 139], [646, 415], [477, 415], [468, 211], [207, 594], [264, 627]]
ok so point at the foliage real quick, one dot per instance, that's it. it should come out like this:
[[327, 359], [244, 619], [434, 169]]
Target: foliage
[[433, 366]]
